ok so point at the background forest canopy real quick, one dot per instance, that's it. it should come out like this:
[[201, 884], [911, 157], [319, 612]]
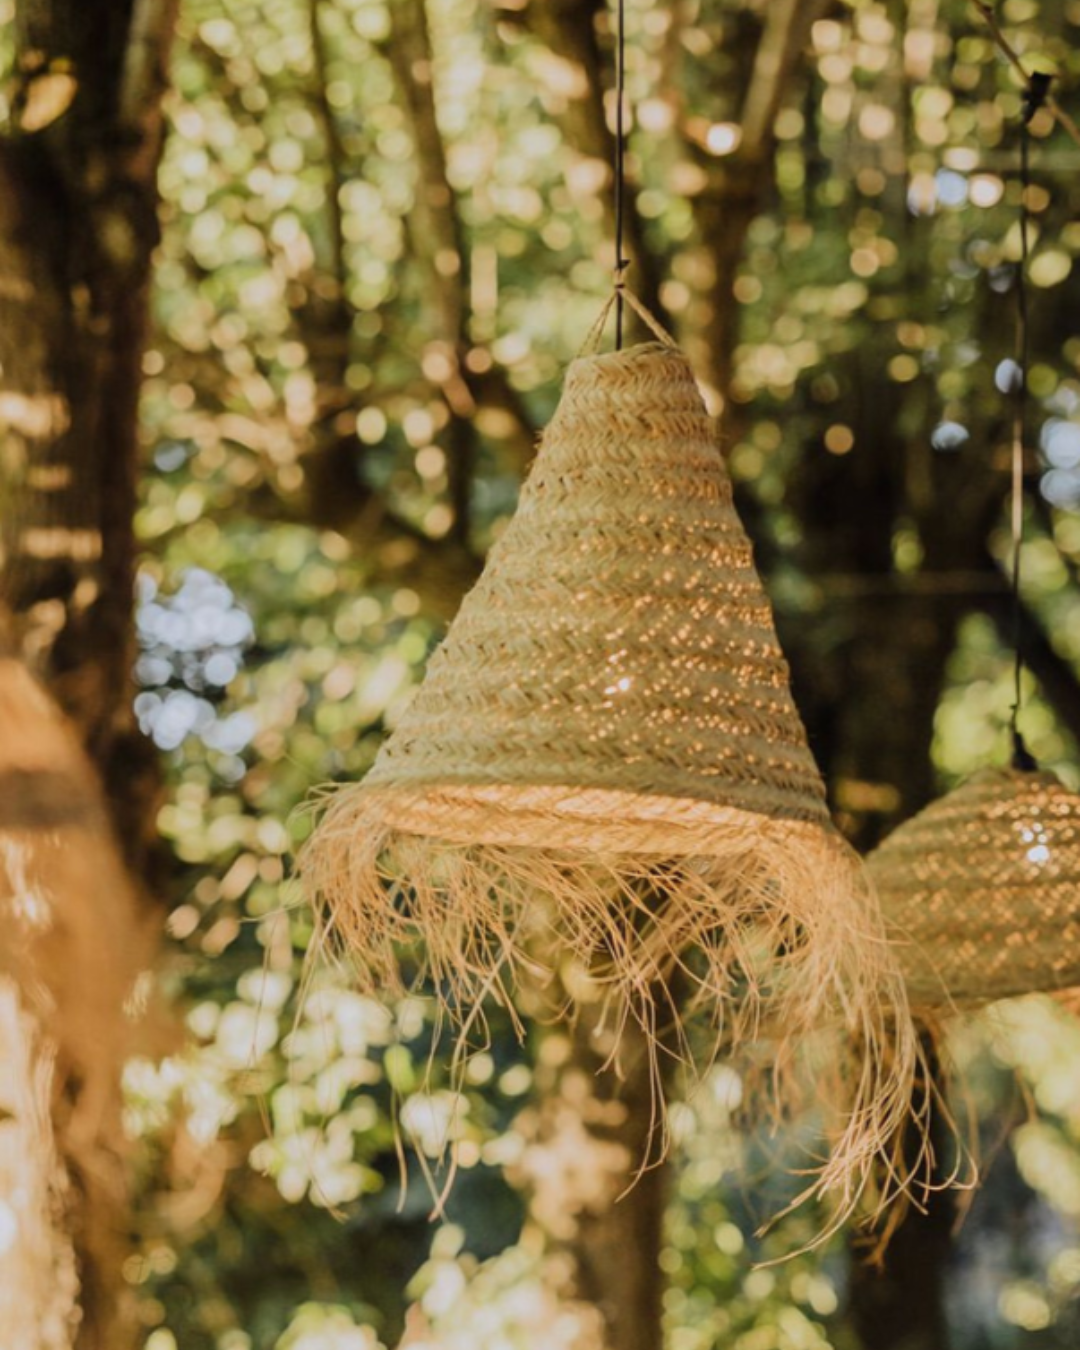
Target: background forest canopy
[[385, 229]]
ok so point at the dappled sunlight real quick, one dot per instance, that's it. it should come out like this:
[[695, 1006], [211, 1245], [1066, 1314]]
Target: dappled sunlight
[[301, 370], [375, 262], [512, 1302]]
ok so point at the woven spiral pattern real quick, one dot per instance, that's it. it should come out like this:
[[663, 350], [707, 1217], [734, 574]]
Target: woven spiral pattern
[[616, 665], [983, 890]]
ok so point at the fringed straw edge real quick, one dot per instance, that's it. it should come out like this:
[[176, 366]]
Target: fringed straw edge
[[775, 934]]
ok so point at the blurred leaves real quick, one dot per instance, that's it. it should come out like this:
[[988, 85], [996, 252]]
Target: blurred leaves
[[301, 554]]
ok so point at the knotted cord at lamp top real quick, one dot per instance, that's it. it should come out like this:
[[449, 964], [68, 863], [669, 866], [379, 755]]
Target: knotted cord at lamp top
[[604, 770]]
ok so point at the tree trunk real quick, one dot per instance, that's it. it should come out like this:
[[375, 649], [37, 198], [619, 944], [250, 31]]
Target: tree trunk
[[77, 228], [600, 1213], [595, 1122], [75, 942], [899, 1305]]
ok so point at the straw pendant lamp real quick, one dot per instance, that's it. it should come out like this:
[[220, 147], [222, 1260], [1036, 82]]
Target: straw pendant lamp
[[982, 889], [603, 778], [604, 769]]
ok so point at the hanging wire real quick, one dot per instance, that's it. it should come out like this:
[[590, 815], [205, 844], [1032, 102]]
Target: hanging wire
[[1034, 98], [621, 263]]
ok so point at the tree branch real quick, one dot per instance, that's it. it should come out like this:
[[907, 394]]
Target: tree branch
[[335, 151], [145, 78], [1013, 57], [737, 183], [787, 25], [444, 246], [569, 29]]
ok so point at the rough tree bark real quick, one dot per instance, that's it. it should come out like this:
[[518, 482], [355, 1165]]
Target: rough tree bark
[[74, 944], [77, 229]]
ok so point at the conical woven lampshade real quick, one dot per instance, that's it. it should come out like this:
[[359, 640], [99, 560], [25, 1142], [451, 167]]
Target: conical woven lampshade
[[616, 667], [983, 890], [604, 766]]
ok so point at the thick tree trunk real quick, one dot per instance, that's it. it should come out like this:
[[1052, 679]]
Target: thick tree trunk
[[75, 942], [600, 1213], [77, 229]]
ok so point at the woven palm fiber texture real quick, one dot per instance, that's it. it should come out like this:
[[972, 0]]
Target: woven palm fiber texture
[[617, 663], [982, 890], [604, 771]]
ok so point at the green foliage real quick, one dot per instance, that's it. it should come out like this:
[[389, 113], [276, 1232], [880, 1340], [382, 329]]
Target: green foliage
[[302, 428]]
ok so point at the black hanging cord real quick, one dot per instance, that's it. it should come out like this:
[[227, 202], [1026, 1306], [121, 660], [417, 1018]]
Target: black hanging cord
[[1033, 100], [621, 263]]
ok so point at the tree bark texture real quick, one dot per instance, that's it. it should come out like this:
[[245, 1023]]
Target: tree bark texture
[[78, 226], [77, 229], [599, 1211]]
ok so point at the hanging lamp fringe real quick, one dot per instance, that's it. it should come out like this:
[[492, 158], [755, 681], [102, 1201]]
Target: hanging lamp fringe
[[772, 936]]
